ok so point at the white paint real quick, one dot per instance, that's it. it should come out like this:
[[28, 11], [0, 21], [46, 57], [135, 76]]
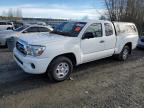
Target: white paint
[[84, 50]]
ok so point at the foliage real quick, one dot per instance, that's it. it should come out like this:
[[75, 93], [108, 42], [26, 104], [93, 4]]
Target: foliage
[[127, 11]]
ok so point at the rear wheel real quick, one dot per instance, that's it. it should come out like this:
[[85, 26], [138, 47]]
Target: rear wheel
[[60, 69], [123, 56]]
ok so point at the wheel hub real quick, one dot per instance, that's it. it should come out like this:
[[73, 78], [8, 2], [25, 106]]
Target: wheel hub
[[125, 53], [62, 70]]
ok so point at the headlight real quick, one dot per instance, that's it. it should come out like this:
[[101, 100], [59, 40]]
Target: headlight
[[35, 50]]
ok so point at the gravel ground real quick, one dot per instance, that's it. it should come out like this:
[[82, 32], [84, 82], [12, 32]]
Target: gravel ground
[[104, 83]]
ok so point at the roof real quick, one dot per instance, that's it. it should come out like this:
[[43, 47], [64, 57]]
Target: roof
[[123, 22], [90, 21], [102, 21]]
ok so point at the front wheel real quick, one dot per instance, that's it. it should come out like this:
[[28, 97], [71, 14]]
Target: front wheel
[[60, 69], [123, 56]]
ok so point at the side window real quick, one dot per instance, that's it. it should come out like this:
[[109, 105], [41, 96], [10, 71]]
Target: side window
[[96, 29], [32, 30], [108, 29], [9, 23], [131, 29], [43, 29], [126, 29], [2, 23]]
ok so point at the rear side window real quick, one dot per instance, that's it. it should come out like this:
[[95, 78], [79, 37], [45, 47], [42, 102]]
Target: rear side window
[[108, 29], [126, 28], [43, 29], [32, 29], [2, 23], [131, 29]]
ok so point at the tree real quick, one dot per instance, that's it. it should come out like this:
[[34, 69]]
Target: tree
[[85, 17], [127, 11], [102, 17], [19, 13], [10, 13], [4, 13], [13, 14]]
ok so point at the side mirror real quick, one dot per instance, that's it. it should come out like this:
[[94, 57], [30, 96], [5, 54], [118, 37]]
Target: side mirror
[[88, 35]]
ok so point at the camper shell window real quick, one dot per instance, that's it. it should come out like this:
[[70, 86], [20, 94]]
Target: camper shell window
[[122, 28]]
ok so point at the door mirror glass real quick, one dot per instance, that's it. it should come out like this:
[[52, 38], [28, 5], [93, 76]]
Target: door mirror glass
[[88, 35]]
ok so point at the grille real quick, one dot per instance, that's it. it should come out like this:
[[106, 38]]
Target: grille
[[20, 47]]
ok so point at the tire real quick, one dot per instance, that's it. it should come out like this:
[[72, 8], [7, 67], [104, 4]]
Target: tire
[[123, 56], [60, 69]]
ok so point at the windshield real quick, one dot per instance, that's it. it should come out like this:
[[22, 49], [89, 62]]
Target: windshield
[[71, 29], [20, 28]]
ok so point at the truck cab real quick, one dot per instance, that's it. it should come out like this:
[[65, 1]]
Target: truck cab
[[73, 43]]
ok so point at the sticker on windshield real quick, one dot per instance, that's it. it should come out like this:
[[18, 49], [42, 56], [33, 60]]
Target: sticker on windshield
[[77, 29]]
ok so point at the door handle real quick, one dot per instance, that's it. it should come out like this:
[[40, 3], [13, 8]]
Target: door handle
[[102, 41]]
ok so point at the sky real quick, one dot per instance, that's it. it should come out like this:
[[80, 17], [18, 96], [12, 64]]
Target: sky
[[65, 9]]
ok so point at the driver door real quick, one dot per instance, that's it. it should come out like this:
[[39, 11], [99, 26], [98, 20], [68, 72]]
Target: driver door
[[93, 46]]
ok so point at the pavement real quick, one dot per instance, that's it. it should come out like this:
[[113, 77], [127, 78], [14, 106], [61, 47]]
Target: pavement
[[105, 83]]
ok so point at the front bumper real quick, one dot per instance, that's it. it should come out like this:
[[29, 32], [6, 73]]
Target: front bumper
[[30, 64]]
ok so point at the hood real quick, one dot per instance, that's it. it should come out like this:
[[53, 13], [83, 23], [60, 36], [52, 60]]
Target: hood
[[40, 39]]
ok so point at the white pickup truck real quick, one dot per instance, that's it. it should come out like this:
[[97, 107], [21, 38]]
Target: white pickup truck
[[73, 43]]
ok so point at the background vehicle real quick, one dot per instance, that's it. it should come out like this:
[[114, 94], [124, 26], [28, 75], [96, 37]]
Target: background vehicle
[[24, 30], [18, 24], [74, 43], [4, 25], [141, 42]]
